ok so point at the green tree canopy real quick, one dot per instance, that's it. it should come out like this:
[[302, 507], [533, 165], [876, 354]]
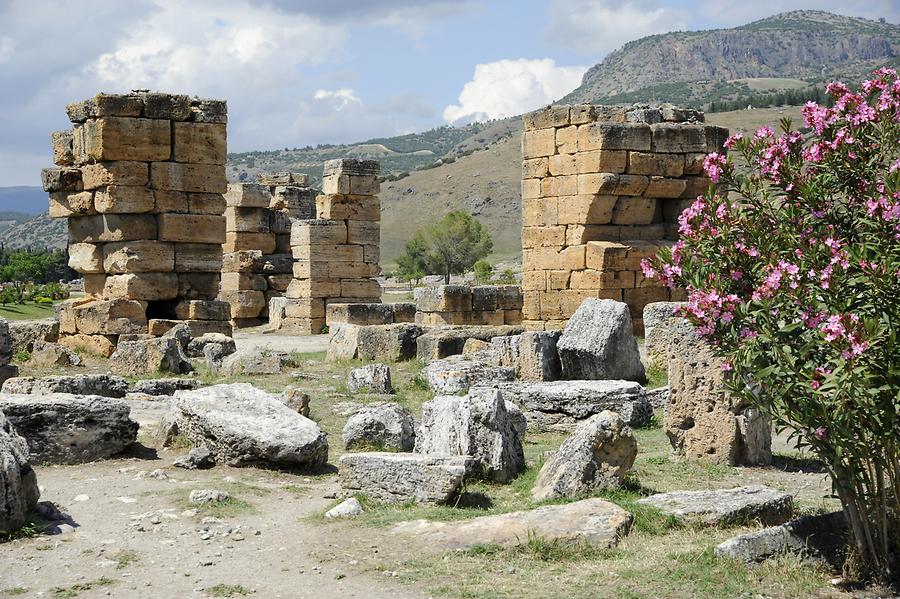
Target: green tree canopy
[[449, 246]]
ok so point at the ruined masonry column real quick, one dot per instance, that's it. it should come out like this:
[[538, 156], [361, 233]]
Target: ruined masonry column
[[141, 179], [336, 255]]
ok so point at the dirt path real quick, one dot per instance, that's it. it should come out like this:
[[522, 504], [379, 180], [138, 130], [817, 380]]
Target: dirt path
[[258, 338], [140, 533]]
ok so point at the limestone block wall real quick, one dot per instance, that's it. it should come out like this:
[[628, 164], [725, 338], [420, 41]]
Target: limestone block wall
[[258, 264], [602, 188], [463, 305], [335, 254], [140, 178]]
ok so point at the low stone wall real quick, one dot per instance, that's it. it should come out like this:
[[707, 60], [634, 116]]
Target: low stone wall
[[463, 305], [369, 314]]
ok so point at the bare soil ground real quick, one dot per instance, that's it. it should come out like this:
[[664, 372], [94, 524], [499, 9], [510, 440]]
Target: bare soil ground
[[137, 536]]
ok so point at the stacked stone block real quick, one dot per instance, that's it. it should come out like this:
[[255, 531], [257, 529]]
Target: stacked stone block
[[602, 188], [462, 305], [336, 254], [140, 178], [258, 265]]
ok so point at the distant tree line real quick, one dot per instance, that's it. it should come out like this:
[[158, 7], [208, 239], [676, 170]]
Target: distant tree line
[[790, 97], [23, 269]]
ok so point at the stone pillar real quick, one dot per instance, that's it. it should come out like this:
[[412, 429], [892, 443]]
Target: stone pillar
[[702, 420], [140, 179], [602, 188], [336, 254]]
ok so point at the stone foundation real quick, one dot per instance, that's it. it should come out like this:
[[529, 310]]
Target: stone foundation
[[462, 305]]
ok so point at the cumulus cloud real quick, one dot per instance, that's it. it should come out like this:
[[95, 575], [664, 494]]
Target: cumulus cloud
[[510, 87], [339, 99], [599, 26], [7, 47]]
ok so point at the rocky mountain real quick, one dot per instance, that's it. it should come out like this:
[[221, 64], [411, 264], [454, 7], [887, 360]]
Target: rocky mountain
[[807, 45], [40, 231]]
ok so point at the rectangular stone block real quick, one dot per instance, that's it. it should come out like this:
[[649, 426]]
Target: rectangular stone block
[[538, 143], [443, 298], [317, 288], [200, 143], [310, 269], [662, 187], [543, 236], [372, 254], [531, 188], [138, 256], [566, 140], [351, 166], [101, 228], [248, 195], [243, 281], [436, 319], [601, 161], [198, 257], [678, 138], [586, 209], [489, 298], [170, 201], [696, 186], [236, 242], [247, 220], [613, 136], [102, 174], [715, 138], [351, 270], [273, 264], [359, 314], [587, 113], [279, 222], [192, 228], [364, 185], [240, 261], [558, 279], [283, 178], [318, 232], [336, 184], [599, 279], [546, 117], [94, 284], [634, 211], [174, 107], [198, 285], [535, 168], [61, 179], [562, 164], [282, 244], [102, 105], [534, 280], [205, 110], [203, 310], [64, 204], [147, 286], [86, 258], [184, 176], [297, 308], [244, 304], [109, 317], [62, 148], [651, 163], [206, 203], [121, 199], [324, 252], [580, 234], [340, 207], [298, 202], [360, 288], [363, 232], [637, 299], [540, 212], [121, 138]]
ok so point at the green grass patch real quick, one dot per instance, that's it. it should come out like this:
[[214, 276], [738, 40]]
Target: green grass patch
[[22, 356], [31, 529], [14, 591], [26, 311], [657, 376], [81, 587], [229, 508], [125, 558], [227, 590]]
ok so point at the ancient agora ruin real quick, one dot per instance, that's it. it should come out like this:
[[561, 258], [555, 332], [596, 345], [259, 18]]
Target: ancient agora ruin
[[202, 321]]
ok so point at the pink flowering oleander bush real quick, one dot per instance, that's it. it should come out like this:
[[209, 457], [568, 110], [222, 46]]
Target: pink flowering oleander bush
[[792, 272]]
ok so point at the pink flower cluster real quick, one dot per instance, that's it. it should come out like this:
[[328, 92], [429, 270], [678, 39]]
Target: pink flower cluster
[[844, 329], [714, 164], [709, 307]]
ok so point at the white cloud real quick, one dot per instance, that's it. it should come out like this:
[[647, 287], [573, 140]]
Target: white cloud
[[599, 26], [7, 47], [339, 99], [510, 87]]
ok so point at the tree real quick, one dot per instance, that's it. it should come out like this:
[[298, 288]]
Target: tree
[[791, 272], [412, 265], [22, 267], [457, 241], [483, 271]]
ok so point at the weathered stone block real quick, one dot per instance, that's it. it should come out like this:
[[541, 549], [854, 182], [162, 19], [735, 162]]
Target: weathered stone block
[[613, 136], [148, 286], [118, 138], [102, 105], [192, 228], [103, 228], [237, 242], [138, 256], [102, 174], [318, 232], [198, 257], [403, 477], [247, 195], [184, 176], [678, 138], [650, 163], [244, 304], [64, 204], [61, 179], [341, 207], [200, 143], [62, 148]]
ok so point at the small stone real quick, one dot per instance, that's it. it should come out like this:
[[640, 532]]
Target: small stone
[[196, 458], [201, 496], [348, 508], [374, 378]]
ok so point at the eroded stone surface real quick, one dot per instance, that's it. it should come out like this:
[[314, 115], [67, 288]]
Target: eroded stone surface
[[105, 385], [373, 378], [403, 477], [598, 343], [725, 506], [19, 491], [380, 426]]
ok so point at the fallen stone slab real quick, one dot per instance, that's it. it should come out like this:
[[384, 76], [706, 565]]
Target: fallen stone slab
[[244, 426], [594, 522], [815, 537], [598, 343], [381, 426], [457, 374], [164, 387], [725, 506], [105, 385], [19, 491], [443, 342], [196, 346], [596, 456], [24, 333], [532, 354], [659, 397], [561, 405], [254, 361], [52, 355], [148, 356], [63, 428], [476, 425], [373, 378], [196, 458], [376, 343], [403, 477]]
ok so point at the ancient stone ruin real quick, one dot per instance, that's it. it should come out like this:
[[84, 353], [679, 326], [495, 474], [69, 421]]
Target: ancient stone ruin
[[463, 305], [602, 188], [257, 264], [141, 178]]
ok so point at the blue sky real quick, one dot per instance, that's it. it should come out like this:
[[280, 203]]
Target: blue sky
[[316, 71]]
